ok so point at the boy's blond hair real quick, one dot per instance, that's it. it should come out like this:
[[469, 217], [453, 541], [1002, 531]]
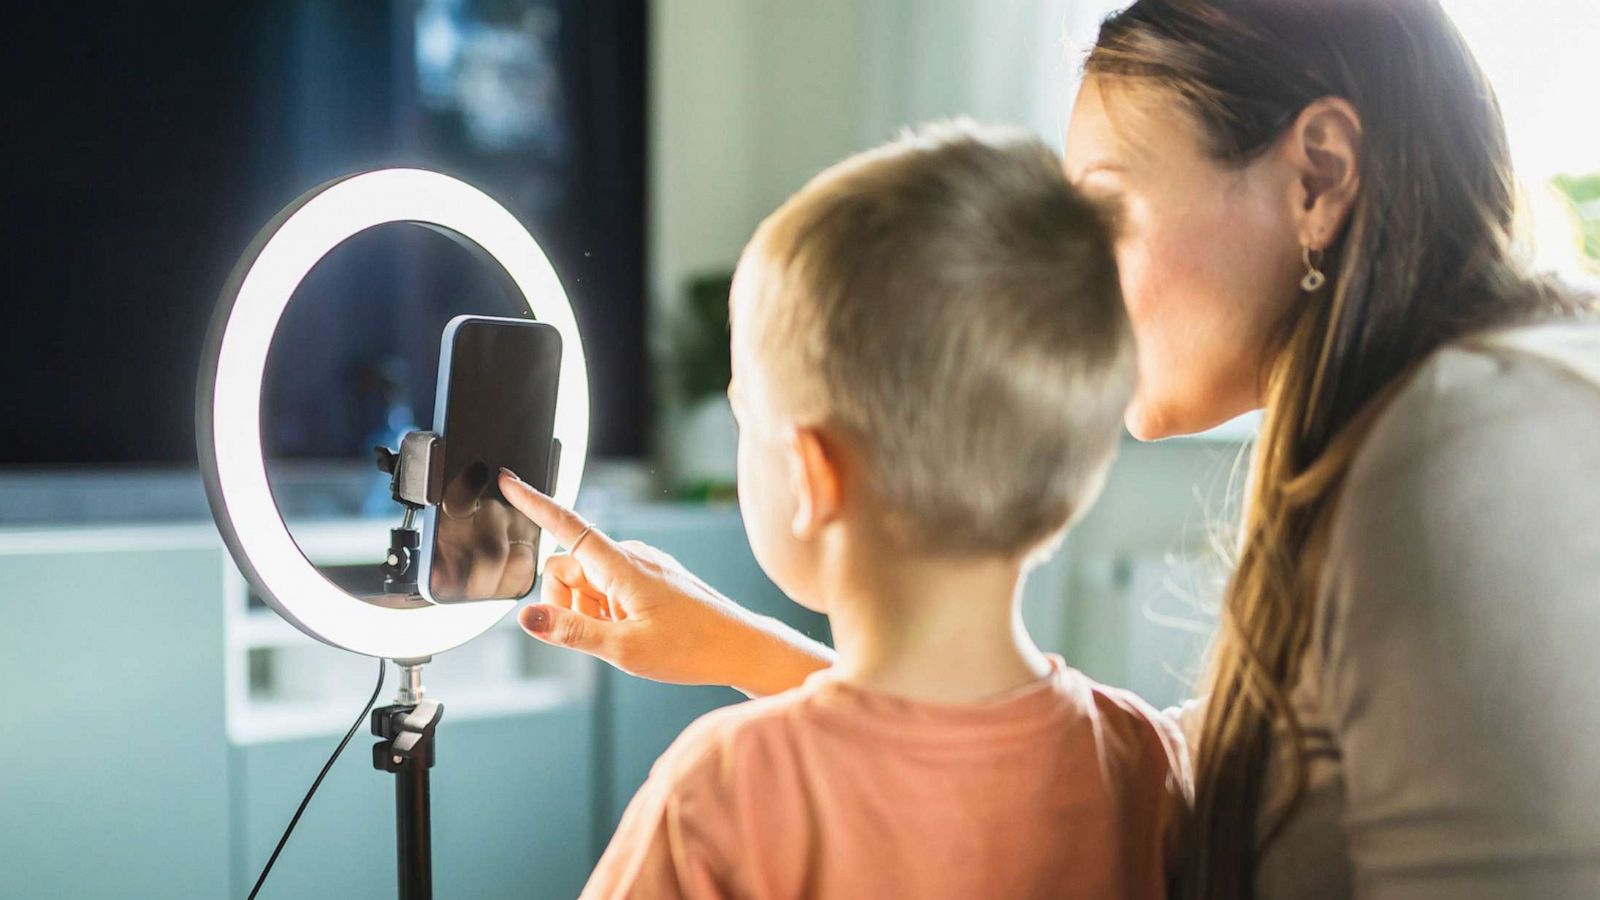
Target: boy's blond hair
[[950, 302]]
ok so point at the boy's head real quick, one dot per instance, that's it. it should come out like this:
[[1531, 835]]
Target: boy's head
[[930, 351]]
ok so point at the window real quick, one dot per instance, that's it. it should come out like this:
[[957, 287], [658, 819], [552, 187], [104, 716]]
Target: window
[[1543, 58]]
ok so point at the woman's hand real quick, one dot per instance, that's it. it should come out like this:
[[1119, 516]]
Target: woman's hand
[[639, 609]]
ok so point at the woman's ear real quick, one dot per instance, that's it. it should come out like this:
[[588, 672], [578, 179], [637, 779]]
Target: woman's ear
[[1324, 147], [816, 480]]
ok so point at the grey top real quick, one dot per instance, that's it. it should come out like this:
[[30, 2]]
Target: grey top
[[1452, 689]]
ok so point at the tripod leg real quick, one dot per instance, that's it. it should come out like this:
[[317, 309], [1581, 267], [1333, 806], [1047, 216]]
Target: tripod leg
[[407, 752], [413, 830]]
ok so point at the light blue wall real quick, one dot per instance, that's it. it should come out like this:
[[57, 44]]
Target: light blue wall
[[1142, 568], [512, 811], [114, 755]]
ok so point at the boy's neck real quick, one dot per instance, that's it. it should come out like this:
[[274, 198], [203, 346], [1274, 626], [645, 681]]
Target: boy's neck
[[935, 628]]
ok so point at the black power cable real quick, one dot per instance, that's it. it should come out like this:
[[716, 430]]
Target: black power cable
[[318, 783]]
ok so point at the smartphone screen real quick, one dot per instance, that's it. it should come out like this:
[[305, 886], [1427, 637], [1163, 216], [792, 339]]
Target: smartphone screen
[[496, 407]]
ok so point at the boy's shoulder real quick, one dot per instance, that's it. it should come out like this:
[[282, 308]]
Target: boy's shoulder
[[692, 827], [762, 733], [724, 743], [1127, 709], [1138, 733]]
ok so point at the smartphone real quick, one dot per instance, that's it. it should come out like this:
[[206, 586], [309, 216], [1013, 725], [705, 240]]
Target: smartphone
[[495, 406]]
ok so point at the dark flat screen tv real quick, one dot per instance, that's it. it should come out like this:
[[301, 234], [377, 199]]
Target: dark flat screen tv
[[147, 142]]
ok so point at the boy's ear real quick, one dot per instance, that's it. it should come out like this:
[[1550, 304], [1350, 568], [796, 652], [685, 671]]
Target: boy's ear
[[817, 481]]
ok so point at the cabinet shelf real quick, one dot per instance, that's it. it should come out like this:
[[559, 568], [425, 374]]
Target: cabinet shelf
[[265, 721], [283, 684]]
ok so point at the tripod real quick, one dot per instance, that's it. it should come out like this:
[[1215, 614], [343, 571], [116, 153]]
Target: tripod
[[407, 750]]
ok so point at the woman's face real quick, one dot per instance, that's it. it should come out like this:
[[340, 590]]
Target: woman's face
[[1208, 253]]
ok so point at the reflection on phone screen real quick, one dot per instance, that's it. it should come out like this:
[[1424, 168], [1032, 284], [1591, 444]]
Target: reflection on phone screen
[[498, 410]]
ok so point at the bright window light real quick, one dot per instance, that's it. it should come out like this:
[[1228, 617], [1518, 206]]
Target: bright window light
[[1543, 58], [229, 402]]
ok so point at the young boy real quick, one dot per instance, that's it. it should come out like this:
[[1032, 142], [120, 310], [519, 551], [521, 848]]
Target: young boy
[[931, 362]]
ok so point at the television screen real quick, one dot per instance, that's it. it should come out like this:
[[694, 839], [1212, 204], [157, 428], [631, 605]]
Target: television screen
[[147, 143]]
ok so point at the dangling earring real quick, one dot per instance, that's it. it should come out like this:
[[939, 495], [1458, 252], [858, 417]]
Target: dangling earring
[[1314, 279]]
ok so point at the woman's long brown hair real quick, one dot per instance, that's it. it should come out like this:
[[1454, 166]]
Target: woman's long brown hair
[[1425, 257]]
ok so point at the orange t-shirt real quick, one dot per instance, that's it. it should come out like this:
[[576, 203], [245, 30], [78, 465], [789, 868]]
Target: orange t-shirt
[[1062, 788]]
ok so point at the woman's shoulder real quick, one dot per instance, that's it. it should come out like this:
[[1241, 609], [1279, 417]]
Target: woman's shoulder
[[1490, 443], [1474, 487], [1457, 622], [1467, 397]]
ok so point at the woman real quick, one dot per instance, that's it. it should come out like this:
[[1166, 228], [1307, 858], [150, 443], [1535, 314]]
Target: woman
[[1313, 203]]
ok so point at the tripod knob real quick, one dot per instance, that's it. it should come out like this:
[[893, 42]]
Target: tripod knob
[[398, 561], [399, 569], [387, 459]]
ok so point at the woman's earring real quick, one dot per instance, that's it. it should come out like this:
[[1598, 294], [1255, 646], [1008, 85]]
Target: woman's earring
[[1314, 279]]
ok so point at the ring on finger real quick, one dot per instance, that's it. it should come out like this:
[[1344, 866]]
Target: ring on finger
[[581, 535]]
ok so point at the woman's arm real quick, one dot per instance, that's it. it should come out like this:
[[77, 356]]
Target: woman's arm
[[1461, 633], [639, 609]]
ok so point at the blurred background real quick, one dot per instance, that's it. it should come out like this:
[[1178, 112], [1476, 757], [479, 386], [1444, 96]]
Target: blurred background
[[169, 723]]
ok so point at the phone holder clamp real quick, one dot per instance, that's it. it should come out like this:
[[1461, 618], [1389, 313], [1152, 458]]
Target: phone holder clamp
[[416, 481], [416, 471]]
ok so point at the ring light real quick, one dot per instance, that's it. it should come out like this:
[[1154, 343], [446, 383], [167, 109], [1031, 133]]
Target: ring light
[[228, 405]]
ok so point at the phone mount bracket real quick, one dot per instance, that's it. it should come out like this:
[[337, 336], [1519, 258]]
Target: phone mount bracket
[[416, 471], [416, 475]]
